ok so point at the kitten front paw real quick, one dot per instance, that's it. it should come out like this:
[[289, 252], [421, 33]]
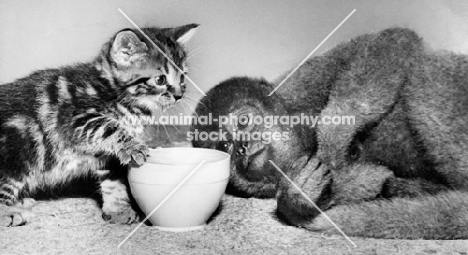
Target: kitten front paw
[[123, 215], [26, 203], [136, 151], [11, 216], [116, 207]]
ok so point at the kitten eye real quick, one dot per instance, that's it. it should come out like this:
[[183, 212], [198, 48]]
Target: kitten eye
[[141, 80], [182, 79], [223, 146], [161, 80]]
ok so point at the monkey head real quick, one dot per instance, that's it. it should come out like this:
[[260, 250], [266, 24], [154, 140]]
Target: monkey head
[[232, 118]]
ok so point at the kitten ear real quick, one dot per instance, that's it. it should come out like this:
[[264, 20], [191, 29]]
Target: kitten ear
[[183, 34], [127, 48]]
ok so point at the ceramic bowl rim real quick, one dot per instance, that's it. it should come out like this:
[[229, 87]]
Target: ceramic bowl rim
[[228, 156]]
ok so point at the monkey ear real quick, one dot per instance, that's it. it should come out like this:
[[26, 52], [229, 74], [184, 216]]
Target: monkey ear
[[127, 48], [183, 34]]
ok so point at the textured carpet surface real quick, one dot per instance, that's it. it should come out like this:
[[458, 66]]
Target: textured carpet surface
[[243, 226]]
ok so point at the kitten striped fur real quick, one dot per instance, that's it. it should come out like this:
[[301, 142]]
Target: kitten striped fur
[[58, 125]]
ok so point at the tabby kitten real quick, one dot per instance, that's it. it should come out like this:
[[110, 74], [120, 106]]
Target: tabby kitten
[[58, 125]]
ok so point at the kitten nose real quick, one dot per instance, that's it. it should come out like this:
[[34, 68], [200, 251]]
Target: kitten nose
[[173, 90]]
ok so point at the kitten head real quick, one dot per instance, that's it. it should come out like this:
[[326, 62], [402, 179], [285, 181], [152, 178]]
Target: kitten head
[[137, 63]]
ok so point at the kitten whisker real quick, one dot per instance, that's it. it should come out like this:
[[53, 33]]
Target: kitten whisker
[[195, 101], [157, 131], [164, 126], [198, 50], [183, 106], [192, 68], [199, 102], [194, 53], [192, 109], [172, 109], [190, 106]]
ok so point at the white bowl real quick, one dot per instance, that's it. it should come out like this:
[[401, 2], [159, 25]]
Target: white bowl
[[190, 206]]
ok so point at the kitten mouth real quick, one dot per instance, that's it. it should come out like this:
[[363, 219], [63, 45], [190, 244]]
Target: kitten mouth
[[166, 101], [166, 96]]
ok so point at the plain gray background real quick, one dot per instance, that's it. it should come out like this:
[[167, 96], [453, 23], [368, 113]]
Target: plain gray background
[[256, 38]]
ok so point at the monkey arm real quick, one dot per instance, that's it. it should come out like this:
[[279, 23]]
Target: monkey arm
[[411, 187], [327, 188], [351, 185]]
